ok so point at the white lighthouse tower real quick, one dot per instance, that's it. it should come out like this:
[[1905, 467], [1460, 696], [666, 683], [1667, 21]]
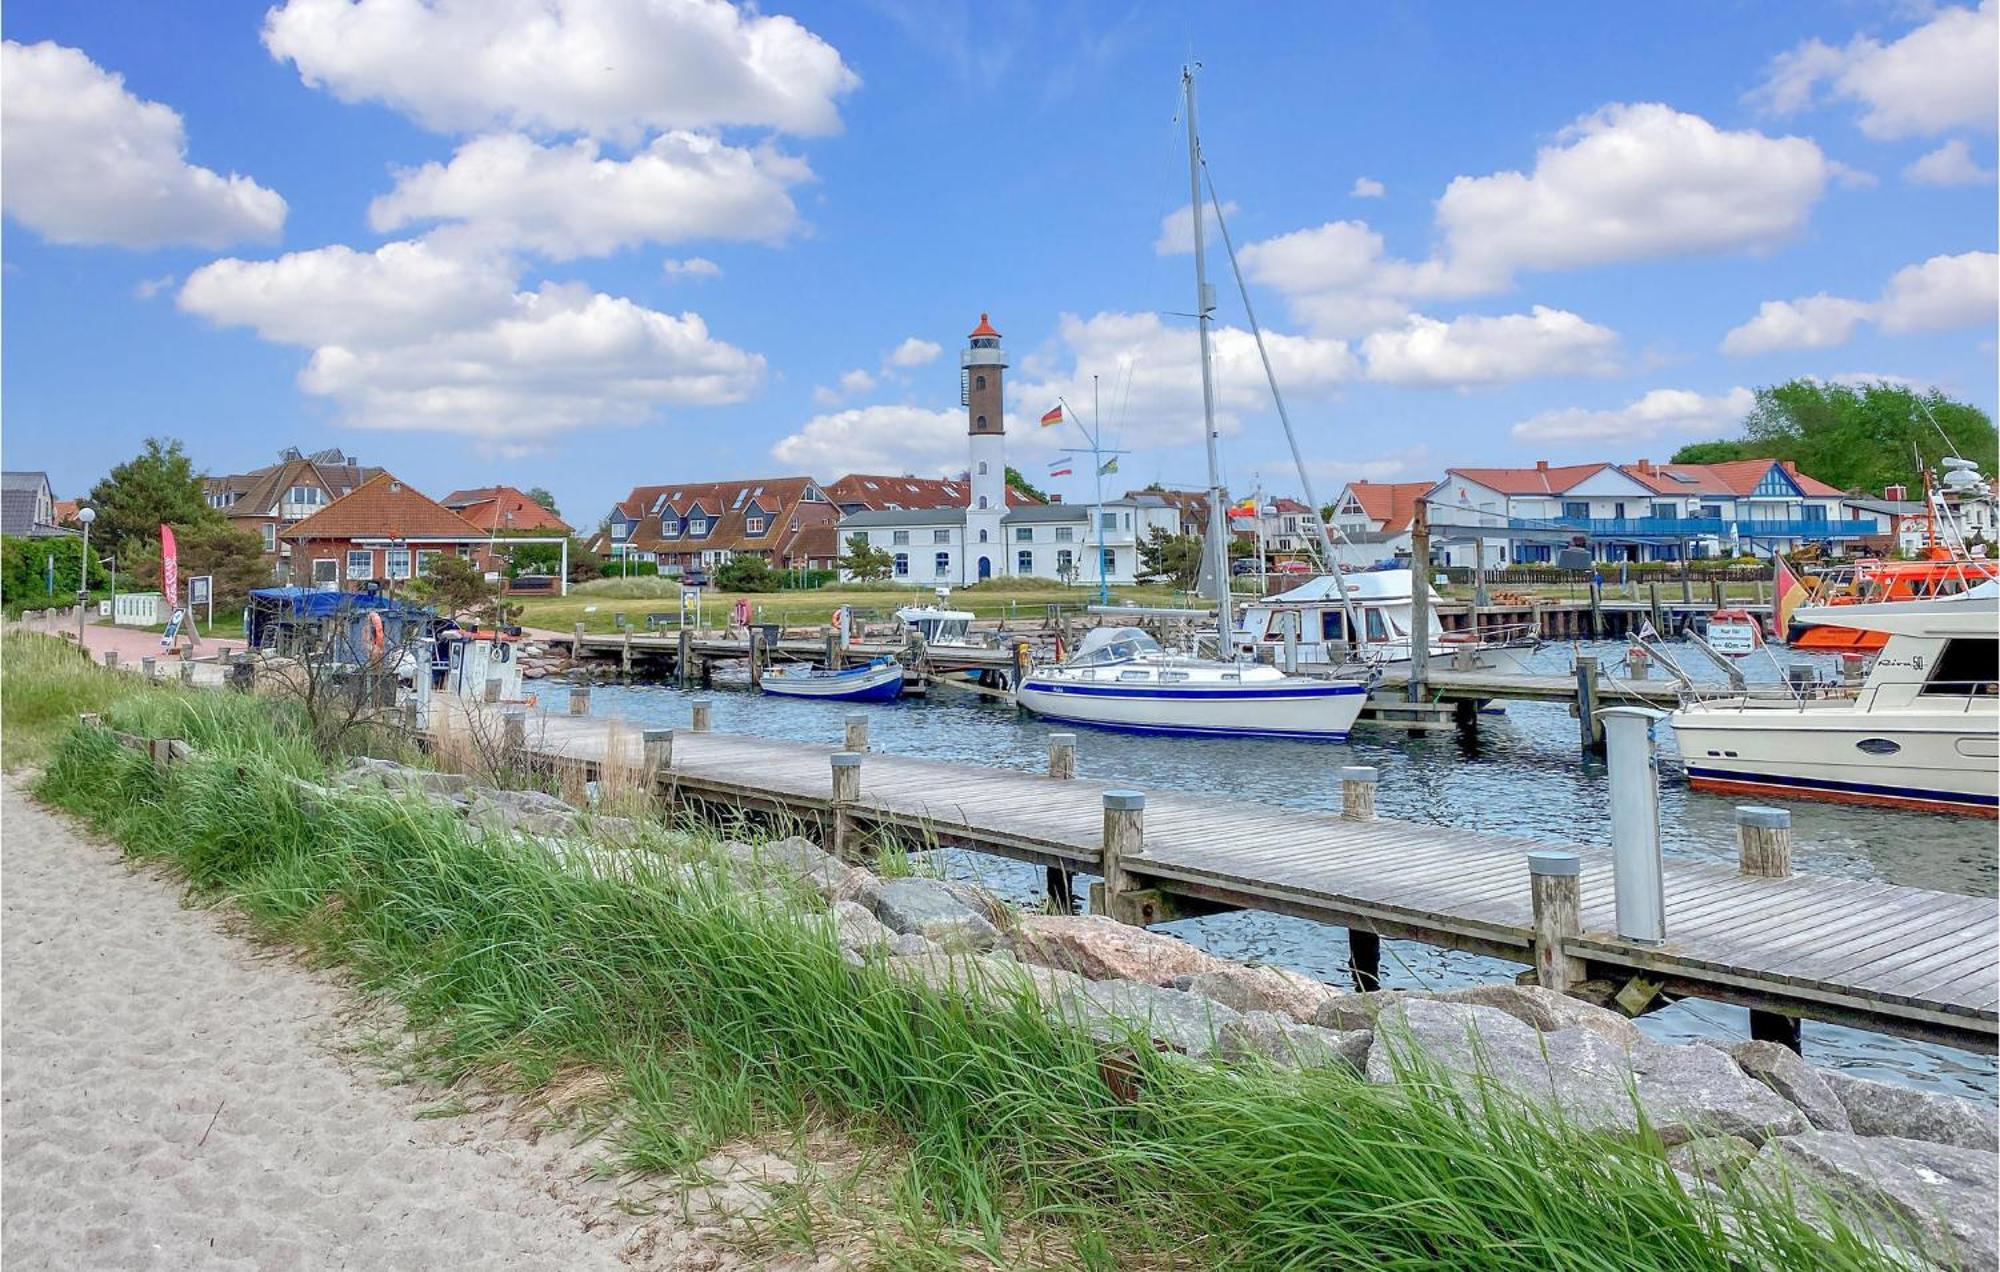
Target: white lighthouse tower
[[981, 366]]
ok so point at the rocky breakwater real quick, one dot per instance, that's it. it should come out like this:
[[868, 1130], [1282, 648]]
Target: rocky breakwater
[[1920, 1170]]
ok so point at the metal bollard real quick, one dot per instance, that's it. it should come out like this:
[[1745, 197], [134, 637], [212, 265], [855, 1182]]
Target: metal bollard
[[1634, 761], [1357, 793]]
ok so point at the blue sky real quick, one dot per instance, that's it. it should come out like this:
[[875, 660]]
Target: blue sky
[[585, 245]]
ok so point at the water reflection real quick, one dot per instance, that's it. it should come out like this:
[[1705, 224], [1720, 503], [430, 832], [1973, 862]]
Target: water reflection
[[1517, 773]]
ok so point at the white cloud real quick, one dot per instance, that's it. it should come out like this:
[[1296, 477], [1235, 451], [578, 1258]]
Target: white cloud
[[1657, 414], [856, 381], [1177, 228], [1630, 182], [1937, 77], [84, 161], [565, 201], [1951, 164], [692, 267], [409, 337], [147, 288], [1337, 278], [1367, 188], [914, 352], [1810, 322], [884, 438], [1942, 292], [1479, 349], [608, 68]]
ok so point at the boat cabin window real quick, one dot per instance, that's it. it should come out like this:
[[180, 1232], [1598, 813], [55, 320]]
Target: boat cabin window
[[1376, 629], [1966, 669], [1115, 645], [1332, 625], [1173, 677], [1134, 675]]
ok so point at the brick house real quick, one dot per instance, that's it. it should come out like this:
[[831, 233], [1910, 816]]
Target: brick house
[[503, 509], [788, 521], [270, 500], [383, 532]]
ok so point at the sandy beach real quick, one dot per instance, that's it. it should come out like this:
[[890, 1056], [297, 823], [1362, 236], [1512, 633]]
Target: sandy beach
[[175, 1098]]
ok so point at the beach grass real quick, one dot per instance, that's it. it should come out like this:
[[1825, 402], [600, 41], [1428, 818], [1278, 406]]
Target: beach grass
[[711, 1011]]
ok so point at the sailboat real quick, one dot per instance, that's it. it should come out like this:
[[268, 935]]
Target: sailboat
[[1120, 677]]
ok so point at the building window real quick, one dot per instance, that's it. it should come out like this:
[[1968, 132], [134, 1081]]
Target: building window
[[979, 382], [1576, 509], [1110, 558], [982, 468], [427, 560], [1107, 521], [900, 537], [270, 537], [698, 527], [1024, 534], [982, 501], [311, 495], [943, 564], [1814, 512], [753, 525], [326, 570], [1024, 561], [981, 425], [360, 564], [940, 536], [1666, 512], [902, 565], [396, 563], [982, 536], [1065, 534], [1712, 511], [1065, 562]]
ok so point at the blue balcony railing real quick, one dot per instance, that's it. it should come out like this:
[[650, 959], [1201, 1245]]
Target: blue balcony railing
[[1675, 529]]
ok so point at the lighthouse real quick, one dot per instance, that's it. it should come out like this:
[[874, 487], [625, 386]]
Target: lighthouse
[[981, 366]]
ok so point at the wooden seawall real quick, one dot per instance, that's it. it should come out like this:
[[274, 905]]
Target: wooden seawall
[[1899, 960]]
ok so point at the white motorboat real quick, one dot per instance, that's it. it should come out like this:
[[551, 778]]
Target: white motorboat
[[1380, 601], [940, 627], [1120, 678], [1922, 731]]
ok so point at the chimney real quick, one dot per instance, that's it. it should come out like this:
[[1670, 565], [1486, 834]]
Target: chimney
[[1896, 494], [1541, 465], [1645, 466]]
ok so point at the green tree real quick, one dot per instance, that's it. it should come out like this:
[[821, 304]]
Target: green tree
[[1171, 556], [1016, 481], [1858, 437], [748, 574], [157, 485], [233, 558], [545, 499], [24, 571], [456, 587], [861, 561]]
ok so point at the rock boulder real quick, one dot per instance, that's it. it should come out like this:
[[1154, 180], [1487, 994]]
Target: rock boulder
[[1549, 1011], [1891, 1186], [1099, 948], [1784, 1072], [929, 909], [1282, 1039], [1883, 1108], [1112, 1009], [1261, 989]]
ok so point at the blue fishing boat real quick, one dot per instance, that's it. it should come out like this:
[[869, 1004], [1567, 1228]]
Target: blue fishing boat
[[879, 681]]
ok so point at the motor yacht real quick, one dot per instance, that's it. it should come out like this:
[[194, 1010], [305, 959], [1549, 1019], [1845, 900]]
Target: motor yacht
[[1380, 601]]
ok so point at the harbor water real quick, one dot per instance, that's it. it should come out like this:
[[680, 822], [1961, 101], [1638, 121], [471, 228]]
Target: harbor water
[[1517, 773]]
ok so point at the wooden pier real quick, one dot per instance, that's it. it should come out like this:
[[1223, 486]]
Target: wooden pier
[[1899, 960]]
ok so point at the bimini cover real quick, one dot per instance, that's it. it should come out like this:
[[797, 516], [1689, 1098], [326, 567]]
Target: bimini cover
[[1114, 644], [342, 616]]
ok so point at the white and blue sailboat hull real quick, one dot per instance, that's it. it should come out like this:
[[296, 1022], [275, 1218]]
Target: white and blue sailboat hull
[[1319, 712]]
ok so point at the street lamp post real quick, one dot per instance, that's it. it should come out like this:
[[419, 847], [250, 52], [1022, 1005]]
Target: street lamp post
[[86, 516]]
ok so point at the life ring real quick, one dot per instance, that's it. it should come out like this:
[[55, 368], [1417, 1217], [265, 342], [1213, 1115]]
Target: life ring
[[376, 637]]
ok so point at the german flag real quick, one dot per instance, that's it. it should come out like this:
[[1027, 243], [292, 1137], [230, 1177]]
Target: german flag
[[1054, 416]]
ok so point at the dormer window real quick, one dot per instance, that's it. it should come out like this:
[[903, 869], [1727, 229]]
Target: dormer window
[[698, 526], [753, 525]]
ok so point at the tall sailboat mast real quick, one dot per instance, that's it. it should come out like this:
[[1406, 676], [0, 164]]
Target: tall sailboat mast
[[1215, 553]]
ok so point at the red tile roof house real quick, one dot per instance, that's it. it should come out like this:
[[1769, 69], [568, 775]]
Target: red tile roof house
[[504, 510], [385, 532], [874, 492], [1639, 512], [699, 525], [270, 500], [1371, 519]]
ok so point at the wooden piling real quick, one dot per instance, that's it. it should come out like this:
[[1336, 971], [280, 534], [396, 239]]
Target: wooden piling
[[704, 712], [1124, 836], [1659, 613], [187, 673], [146, 665], [846, 791], [1590, 732], [111, 659], [1420, 602], [659, 758], [857, 732], [756, 643], [579, 700], [625, 653], [1556, 894], [1764, 841], [1357, 793], [1062, 756], [1639, 663], [1596, 608], [576, 642], [514, 732], [1364, 959], [683, 654]]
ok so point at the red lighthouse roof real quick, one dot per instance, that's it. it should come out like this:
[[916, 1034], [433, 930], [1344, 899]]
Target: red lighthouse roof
[[985, 328]]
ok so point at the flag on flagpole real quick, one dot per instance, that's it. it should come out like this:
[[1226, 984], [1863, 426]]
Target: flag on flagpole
[[1110, 466], [1054, 416], [1248, 508], [1061, 467], [170, 566]]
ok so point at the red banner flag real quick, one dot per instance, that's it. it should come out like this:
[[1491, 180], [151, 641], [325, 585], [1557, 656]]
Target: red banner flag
[[170, 566]]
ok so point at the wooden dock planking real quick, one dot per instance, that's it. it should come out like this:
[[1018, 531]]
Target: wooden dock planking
[[1902, 959]]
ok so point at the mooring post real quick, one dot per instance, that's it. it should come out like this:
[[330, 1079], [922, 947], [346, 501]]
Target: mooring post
[[625, 653], [1124, 836], [846, 791], [576, 643], [1659, 613], [162, 752], [1364, 959], [492, 691], [1635, 822], [146, 664], [658, 751], [1639, 662], [579, 700], [1596, 607], [756, 657], [1480, 599], [1556, 894], [704, 712], [1590, 731], [1687, 587], [514, 732], [187, 673], [1062, 756], [111, 659], [1357, 792], [857, 732], [683, 652], [1764, 841]]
